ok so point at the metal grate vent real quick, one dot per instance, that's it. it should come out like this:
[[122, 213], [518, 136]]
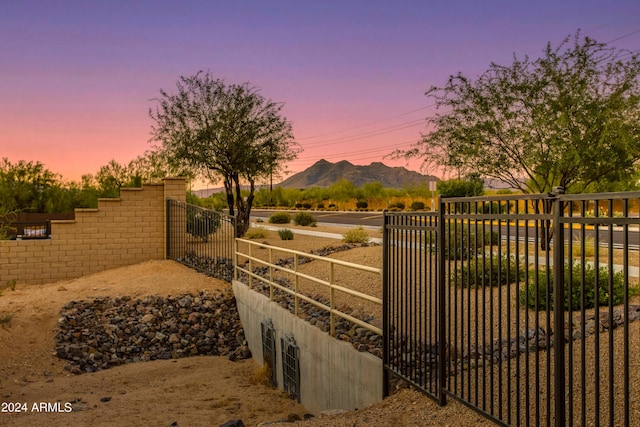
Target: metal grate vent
[[291, 366], [269, 350]]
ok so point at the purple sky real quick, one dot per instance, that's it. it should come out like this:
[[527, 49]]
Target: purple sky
[[77, 77]]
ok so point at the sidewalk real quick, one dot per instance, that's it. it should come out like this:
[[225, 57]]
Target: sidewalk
[[312, 232]]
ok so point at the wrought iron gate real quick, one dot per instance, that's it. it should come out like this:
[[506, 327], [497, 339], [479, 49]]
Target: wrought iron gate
[[200, 238]]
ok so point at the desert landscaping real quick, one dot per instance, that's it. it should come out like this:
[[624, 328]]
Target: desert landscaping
[[200, 390]]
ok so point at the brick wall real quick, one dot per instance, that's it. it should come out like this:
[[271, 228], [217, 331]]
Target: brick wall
[[120, 232]]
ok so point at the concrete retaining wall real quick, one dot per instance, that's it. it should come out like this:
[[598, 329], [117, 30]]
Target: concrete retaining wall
[[333, 375]]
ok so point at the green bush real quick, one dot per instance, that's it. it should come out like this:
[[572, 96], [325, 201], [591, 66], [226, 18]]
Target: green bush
[[397, 206], [362, 204], [285, 234], [304, 219], [256, 233], [306, 205], [496, 271], [280, 218], [578, 287], [355, 235], [417, 206], [462, 242], [320, 206]]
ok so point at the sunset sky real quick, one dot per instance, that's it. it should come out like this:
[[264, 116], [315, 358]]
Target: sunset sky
[[77, 78]]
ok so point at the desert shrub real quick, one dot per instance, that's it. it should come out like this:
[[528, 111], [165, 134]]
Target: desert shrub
[[332, 205], [588, 287], [417, 205], [298, 205], [496, 271], [493, 207], [576, 248], [504, 191], [397, 206], [280, 218], [306, 205], [362, 204], [462, 241], [320, 205], [285, 234], [355, 235], [202, 223], [304, 219], [256, 233]]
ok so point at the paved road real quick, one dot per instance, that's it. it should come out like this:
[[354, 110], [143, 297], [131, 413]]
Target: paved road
[[374, 219]]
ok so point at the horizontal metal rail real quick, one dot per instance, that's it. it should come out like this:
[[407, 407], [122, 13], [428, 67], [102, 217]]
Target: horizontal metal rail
[[298, 296]]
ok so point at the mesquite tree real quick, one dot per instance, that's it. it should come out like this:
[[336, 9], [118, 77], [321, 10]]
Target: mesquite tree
[[569, 119], [230, 132]]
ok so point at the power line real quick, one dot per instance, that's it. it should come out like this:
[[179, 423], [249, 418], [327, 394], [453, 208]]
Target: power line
[[623, 36], [369, 134], [367, 150], [368, 123]]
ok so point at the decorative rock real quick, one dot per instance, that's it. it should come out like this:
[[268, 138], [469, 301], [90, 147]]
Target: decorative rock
[[147, 318], [107, 332]]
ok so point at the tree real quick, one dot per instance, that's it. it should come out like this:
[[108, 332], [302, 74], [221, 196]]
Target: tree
[[27, 186], [224, 131], [570, 118], [469, 187]]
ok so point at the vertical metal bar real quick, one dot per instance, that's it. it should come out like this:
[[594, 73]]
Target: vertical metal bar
[[440, 312], [626, 385], [596, 365], [271, 288], [236, 257], [385, 304], [558, 315], [332, 301], [251, 266], [610, 316], [295, 281], [583, 320], [569, 256], [168, 229]]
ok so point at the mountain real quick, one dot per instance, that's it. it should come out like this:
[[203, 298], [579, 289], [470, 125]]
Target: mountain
[[324, 173]]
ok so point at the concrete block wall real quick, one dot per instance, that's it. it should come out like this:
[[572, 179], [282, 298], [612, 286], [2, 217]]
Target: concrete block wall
[[120, 232], [333, 374]]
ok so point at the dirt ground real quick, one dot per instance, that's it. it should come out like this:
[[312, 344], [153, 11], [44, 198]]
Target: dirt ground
[[185, 392]]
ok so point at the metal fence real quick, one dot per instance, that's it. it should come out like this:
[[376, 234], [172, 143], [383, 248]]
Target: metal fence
[[200, 238], [471, 310], [276, 272]]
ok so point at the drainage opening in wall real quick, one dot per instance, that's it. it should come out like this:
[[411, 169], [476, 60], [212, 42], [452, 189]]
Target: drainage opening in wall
[[290, 366], [269, 350]]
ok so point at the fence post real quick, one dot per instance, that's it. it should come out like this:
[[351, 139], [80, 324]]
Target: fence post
[[168, 230], [558, 309], [441, 314], [386, 336]]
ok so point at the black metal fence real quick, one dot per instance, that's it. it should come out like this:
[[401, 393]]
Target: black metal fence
[[27, 225], [200, 238], [472, 310]]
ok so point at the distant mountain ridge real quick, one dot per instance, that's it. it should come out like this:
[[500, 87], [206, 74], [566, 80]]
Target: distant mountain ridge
[[324, 173]]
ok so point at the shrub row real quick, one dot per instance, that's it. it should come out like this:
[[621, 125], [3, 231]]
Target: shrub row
[[590, 286]]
